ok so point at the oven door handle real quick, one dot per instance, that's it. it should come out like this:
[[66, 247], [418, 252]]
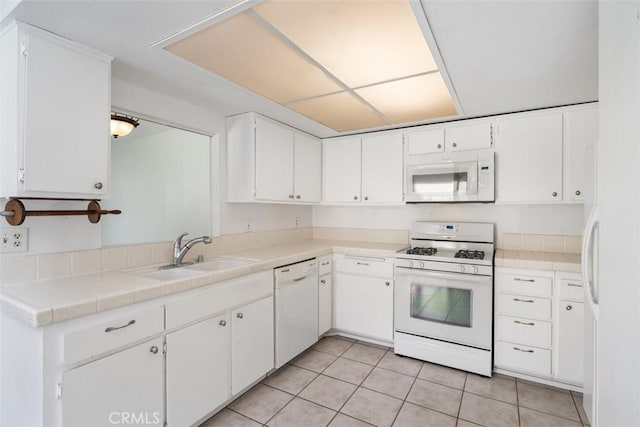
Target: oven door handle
[[445, 276]]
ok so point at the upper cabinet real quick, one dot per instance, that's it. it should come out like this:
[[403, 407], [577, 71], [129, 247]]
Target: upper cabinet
[[364, 169], [580, 129], [271, 162], [55, 103], [457, 136], [541, 155]]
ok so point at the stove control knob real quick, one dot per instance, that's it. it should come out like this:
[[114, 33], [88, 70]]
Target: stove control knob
[[461, 268], [421, 264], [410, 263], [475, 270]]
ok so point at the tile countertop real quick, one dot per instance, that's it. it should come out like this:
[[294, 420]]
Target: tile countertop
[[41, 303], [538, 260]]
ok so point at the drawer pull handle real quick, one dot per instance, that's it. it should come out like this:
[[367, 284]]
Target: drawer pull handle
[[524, 323], [574, 285], [524, 351], [299, 278], [325, 263], [362, 263], [239, 315], [517, 279], [523, 300], [115, 328], [285, 270], [323, 281]]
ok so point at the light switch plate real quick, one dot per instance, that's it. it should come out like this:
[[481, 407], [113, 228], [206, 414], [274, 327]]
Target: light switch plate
[[14, 239]]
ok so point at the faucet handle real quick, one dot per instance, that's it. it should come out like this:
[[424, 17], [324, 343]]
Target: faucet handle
[[178, 241]]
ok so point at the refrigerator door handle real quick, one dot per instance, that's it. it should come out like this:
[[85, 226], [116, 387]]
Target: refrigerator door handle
[[589, 261]]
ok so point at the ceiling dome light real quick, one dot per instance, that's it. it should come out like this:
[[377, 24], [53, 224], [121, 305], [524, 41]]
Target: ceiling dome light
[[122, 125]]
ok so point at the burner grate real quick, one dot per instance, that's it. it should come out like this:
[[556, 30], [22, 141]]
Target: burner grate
[[469, 254], [422, 251]]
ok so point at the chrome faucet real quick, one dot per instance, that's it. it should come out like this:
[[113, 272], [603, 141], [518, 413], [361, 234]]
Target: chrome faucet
[[180, 251]]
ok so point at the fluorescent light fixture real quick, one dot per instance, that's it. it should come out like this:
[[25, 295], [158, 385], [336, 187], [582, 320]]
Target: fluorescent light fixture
[[349, 65]]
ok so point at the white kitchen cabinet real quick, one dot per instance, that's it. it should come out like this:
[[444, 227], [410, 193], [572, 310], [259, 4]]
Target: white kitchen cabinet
[[425, 140], [580, 129], [529, 158], [469, 135], [274, 161], [382, 168], [252, 345], [364, 170], [270, 162], [47, 82], [325, 295], [364, 298], [341, 170], [100, 393], [570, 342], [198, 370]]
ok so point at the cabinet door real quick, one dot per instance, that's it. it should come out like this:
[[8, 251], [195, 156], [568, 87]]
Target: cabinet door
[[274, 161], [529, 158], [59, 158], [580, 130], [325, 304], [364, 305], [251, 343], [382, 171], [130, 382], [307, 169], [341, 170], [425, 140], [198, 370], [570, 342], [469, 137]]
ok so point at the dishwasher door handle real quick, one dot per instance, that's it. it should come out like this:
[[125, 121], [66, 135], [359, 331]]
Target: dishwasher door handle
[[299, 278]]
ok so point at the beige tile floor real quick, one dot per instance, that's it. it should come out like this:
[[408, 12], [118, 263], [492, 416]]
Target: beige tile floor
[[341, 382]]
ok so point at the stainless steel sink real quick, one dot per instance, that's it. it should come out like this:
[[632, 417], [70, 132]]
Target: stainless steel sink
[[175, 273], [221, 263]]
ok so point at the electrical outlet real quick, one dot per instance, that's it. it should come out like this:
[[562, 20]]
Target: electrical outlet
[[14, 239]]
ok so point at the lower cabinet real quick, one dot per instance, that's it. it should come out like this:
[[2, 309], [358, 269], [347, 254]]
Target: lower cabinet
[[539, 329], [252, 346], [117, 389], [364, 297], [325, 295], [198, 370]]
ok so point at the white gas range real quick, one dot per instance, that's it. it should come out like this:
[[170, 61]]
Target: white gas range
[[444, 295]]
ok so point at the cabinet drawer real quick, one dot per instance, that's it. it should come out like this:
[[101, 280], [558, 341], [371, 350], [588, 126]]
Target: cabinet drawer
[[571, 289], [367, 266], [108, 335], [536, 333], [524, 284], [523, 358], [523, 306], [325, 266]]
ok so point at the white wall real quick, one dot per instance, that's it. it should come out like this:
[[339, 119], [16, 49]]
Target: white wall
[[535, 219]]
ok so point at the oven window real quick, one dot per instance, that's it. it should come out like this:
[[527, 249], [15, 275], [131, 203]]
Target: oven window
[[451, 306], [440, 183]]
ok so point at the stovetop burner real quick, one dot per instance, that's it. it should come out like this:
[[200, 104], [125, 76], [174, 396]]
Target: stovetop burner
[[422, 251], [468, 254]]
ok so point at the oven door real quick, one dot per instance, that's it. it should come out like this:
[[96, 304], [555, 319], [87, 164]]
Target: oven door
[[442, 182], [452, 307]]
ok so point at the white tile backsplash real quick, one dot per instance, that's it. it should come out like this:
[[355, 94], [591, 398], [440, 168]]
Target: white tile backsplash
[[17, 268], [553, 243], [114, 258], [53, 266], [86, 262], [139, 255]]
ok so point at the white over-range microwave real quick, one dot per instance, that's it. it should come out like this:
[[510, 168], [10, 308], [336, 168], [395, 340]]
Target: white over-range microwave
[[454, 177]]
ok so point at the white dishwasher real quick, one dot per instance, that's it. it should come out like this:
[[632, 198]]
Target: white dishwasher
[[296, 309]]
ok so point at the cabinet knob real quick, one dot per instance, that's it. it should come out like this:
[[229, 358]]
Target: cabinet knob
[[439, 145], [554, 194], [98, 185], [355, 197], [298, 197], [239, 315], [569, 307], [323, 281], [223, 323], [454, 145], [578, 192], [154, 349], [366, 197], [387, 283], [291, 196]]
